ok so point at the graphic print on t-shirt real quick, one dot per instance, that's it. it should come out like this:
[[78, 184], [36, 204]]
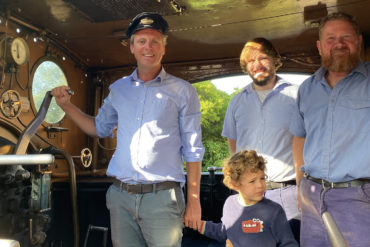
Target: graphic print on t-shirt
[[252, 226]]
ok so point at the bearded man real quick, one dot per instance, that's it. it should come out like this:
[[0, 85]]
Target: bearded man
[[331, 128], [258, 118]]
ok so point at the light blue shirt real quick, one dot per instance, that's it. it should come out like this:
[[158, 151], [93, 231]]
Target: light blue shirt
[[336, 125], [264, 127], [158, 124]]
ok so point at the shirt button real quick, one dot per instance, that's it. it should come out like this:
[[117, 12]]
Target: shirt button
[[138, 118], [332, 100]]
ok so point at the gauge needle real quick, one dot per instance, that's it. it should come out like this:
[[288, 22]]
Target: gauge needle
[[17, 51]]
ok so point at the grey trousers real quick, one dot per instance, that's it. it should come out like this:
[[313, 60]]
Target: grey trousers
[[151, 219], [350, 208]]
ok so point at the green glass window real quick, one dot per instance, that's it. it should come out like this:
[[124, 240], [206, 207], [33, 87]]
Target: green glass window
[[48, 75]]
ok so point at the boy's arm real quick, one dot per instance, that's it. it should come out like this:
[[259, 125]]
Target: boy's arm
[[216, 231]]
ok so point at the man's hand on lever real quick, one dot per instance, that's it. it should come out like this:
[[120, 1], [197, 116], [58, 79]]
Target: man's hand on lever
[[62, 95]]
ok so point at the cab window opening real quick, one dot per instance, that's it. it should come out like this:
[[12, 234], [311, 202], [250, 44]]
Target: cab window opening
[[47, 75]]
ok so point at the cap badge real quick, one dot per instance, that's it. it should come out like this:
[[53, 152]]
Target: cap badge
[[146, 21]]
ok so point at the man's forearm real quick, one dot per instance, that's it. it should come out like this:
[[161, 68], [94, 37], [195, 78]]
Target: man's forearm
[[193, 212], [297, 150], [85, 122], [232, 145], [193, 179]]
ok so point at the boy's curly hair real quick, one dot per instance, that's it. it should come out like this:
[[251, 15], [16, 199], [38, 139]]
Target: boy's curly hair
[[240, 163]]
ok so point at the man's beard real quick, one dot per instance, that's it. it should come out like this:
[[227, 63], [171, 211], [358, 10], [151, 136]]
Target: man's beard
[[263, 81], [340, 63]]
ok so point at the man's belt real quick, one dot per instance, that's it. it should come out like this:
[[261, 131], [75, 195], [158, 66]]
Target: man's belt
[[336, 185], [276, 185], [145, 188]]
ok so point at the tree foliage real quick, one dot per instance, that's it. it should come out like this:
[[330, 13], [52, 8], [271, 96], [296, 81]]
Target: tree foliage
[[213, 107], [47, 76]]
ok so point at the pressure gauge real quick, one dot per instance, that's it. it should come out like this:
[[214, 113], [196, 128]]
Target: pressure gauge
[[19, 51], [16, 50]]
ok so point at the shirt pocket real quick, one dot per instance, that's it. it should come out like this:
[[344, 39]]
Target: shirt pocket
[[160, 114], [354, 114], [355, 104], [160, 106]]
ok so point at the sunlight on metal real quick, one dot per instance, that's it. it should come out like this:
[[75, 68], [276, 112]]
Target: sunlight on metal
[[9, 243], [28, 159]]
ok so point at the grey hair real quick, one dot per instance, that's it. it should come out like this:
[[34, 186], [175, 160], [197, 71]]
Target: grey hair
[[340, 16]]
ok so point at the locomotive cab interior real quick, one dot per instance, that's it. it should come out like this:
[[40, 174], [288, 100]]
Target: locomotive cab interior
[[82, 44]]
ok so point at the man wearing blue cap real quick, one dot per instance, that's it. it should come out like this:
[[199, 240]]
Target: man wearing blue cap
[[157, 117]]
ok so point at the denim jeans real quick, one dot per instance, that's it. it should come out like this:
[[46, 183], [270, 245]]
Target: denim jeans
[[349, 207], [151, 219]]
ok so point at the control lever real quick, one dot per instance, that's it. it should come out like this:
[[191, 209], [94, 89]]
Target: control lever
[[70, 92], [31, 129], [25, 137]]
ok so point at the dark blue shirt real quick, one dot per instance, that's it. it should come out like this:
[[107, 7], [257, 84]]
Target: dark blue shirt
[[262, 224]]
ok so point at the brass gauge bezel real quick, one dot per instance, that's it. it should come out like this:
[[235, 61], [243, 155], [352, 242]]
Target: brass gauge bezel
[[15, 50]]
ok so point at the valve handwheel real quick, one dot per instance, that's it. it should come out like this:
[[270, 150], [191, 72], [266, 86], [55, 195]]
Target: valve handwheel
[[86, 157], [11, 104]]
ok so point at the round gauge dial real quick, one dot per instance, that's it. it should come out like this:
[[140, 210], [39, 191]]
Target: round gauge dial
[[19, 51]]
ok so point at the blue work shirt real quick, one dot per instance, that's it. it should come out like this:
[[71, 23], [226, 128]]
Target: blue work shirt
[[264, 127], [336, 125], [158, 124]]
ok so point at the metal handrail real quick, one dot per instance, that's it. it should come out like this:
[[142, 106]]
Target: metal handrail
[[26, 159]]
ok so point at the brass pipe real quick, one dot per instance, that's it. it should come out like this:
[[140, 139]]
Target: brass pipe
[[73, 188], [19, 21]]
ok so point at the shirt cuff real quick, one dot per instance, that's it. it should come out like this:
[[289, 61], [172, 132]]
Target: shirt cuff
[[203, 227]]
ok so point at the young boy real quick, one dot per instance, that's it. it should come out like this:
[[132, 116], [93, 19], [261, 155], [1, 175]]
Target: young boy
[[248, 218]]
